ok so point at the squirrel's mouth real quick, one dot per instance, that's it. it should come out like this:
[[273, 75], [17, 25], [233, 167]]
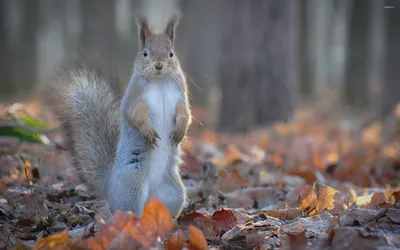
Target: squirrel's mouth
[[158, 74]]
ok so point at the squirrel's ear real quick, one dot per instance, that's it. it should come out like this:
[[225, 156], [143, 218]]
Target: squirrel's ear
[[143, 28], [171, 25]]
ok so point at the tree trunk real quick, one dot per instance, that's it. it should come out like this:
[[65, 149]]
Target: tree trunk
[[98, 35], [376, 64], [391, 88], [5, 72], [256, 63], [305, 62], [356, 84]]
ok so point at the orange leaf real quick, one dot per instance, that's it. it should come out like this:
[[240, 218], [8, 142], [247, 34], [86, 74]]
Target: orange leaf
[[196, 239], [238, 178], [226, 183], [288, 214], [305, 172], [223, 221], [297, 241], [209, 136], [319, 199], [155, 221], [201, 221], [57, 241], [232, 156], [157, 217], [175, 241], [125, 228]]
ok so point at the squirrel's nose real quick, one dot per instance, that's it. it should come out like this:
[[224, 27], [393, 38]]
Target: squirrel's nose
[[158, 65]]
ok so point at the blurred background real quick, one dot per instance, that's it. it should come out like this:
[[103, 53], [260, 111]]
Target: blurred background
[[249, 62]]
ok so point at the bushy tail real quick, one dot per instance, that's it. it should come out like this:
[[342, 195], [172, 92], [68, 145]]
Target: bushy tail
[[87, 104]]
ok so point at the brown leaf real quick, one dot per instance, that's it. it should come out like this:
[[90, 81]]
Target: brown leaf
[[196, 239], [226, 182], [175, 241], [319, 199], [376, 199], [394, 215], [57, 241], [125, 227], [396, 196], [305, 172], [297, 241], [232, 156], [351, 238], [191, 166], [245, 197], [156, 218], [201, 221], [223, 221], [20, 246], [287, 214], [238, 178]]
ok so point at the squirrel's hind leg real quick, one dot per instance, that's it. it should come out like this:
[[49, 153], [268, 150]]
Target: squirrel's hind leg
[[128, 193], [172, 193]]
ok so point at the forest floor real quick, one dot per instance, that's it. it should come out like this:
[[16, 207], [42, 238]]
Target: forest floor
[[313, 183]]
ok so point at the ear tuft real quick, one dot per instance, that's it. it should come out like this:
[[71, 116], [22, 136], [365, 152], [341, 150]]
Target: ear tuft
[[171, 25], [143, 28]]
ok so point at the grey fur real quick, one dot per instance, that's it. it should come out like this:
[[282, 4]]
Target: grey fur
[[110, 154], [87, 104]]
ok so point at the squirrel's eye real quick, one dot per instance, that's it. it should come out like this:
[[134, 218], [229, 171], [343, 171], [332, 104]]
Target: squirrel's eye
[[171, 54], [145, 53]]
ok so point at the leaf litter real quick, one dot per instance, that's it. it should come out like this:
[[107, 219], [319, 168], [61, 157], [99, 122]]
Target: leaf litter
[[313, 183]]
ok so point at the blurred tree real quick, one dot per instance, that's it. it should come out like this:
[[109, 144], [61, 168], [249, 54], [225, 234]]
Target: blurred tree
[[255, 62], [5, 72], [199, 41], [356, 82], [20, 44], [391, 86], [98, 36], [377, 38], [305, 59]]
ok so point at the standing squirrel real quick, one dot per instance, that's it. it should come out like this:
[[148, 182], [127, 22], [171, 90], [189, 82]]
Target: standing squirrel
[[128, 151]]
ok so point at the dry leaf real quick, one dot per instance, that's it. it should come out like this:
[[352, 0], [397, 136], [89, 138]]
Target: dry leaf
[[288, 214], [319, 199], [59, 241], [175, 241], [196, 239], [297, 241], [224, 220], [232, 156]]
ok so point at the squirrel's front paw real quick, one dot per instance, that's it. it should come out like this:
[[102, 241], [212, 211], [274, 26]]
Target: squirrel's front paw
[[177, 136], [150, 136]]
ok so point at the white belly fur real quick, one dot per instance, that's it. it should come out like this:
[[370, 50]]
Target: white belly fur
[[161, 99]]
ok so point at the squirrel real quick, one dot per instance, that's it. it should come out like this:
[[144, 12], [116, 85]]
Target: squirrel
[[128, 150]]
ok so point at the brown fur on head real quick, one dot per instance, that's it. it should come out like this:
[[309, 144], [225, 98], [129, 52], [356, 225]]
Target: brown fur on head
[[156, 57]]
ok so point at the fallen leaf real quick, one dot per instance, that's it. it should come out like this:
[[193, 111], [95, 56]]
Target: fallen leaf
[[175, 241], [232, 156], [297, 241], [351, 238], [376, 199], [305, 172], [223, 221], [319, 199], [287, 214], [156, 218], [196, 239], [394, 215], [58, 241]]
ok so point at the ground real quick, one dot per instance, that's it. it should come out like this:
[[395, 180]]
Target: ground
[[318, 182]]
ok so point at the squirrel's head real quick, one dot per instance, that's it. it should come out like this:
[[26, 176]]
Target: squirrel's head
[[156, 57]]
